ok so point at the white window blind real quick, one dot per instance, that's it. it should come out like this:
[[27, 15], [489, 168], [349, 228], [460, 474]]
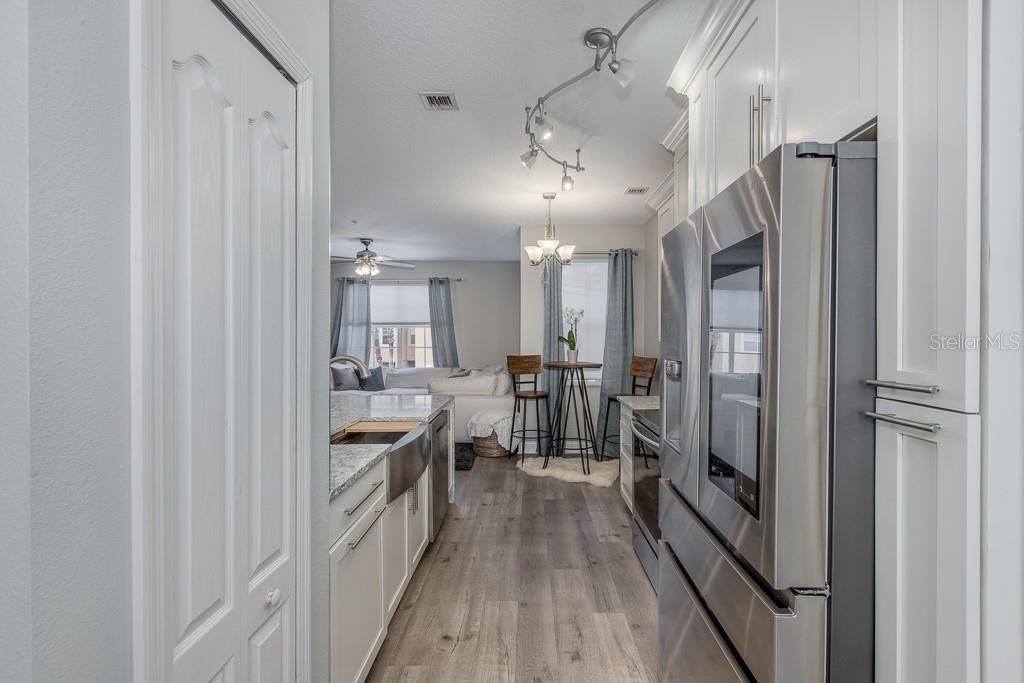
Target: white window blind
[[398, 303], [585, 285]]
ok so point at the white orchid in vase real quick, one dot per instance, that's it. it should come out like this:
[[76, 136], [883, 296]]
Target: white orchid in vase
[[571, 340]]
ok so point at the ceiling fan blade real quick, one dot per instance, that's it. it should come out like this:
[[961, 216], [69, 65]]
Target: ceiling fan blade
[[396, 264], [342, 259]]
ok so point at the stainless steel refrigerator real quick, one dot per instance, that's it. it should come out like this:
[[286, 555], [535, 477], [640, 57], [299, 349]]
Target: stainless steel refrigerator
[[766, 503]]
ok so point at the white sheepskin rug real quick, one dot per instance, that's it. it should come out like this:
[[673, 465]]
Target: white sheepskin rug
[[570, 469]]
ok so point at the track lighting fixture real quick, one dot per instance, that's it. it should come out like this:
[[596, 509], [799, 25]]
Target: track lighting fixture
[[604, 43]]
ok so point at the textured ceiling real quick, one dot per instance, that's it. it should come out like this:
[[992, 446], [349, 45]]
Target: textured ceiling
[[449, 184]]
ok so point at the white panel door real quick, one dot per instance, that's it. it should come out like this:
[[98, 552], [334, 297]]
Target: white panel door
[[739, 81], [927, 548], [828, 51], [929, 210], [228, 330]]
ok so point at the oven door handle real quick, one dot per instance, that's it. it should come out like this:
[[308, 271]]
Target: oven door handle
[[643, 437]]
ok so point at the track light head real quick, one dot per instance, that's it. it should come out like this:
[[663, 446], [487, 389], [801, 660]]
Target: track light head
[[542, 128], [528, 158], [622, 71]]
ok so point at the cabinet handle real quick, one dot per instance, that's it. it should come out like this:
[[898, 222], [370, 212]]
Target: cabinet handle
[[917, 388], [761, 101], [352, 544], [373, 487], [414, 501], [930, 427], [751, 113]]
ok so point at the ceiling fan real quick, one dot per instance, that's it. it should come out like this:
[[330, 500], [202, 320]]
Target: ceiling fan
[[368, 262]]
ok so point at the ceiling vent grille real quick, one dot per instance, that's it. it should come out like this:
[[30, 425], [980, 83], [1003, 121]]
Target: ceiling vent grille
[[637, 190], [439, 101]]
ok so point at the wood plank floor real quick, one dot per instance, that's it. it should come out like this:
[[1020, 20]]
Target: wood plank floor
[[531, 579]]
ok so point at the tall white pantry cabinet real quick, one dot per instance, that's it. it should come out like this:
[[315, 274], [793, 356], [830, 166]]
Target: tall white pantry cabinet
[[928, 440]]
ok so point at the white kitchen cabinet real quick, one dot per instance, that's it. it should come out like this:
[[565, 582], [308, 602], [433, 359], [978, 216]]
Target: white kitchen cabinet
[[358, 619], [626, 455], [927, 554], [929, 207], [396, 552], [828, 56], [740, 110], [418, 520], [697, 143]]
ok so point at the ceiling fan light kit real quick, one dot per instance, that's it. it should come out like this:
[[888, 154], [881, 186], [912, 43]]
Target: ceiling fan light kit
[[539, 129]]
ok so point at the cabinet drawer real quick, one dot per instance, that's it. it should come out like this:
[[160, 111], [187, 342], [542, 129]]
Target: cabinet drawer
[[690, 646], [355, 500]]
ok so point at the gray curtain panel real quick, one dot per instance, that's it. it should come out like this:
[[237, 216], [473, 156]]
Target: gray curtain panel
[[442, 323], [350, 332], [618, 336], [553, 349]]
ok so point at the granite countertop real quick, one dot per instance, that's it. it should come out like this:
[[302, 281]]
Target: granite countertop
[[346, 410], [349, 462], [641, 402]]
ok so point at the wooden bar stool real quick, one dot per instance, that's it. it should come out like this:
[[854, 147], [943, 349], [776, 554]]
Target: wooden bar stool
[[527, 365], [641, 369]]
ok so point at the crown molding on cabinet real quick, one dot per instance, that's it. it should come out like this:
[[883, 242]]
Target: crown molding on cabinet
[[660, 194], [717, 22], [678, 133]]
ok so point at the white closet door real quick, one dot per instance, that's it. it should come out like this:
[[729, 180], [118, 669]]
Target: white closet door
[[228, 375], [927, 546]]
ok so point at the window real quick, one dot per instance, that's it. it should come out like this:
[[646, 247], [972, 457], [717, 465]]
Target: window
[[585, 286], [400, 336]]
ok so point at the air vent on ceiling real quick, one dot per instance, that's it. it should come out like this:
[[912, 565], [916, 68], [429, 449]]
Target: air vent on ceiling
[[439, 101], [637, 189]]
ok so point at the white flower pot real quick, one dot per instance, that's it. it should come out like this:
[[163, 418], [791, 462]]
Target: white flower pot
[[574, 356]]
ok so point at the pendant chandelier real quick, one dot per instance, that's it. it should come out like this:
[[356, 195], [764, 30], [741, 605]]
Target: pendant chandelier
[[550, 247], [539, 129]]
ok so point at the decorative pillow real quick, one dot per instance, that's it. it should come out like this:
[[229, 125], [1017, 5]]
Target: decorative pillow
[[480, 385], [504, 384], [375, 382], [345, 377], [461, 372]]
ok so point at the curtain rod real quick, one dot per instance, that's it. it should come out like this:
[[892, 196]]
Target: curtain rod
[[392, 280], [634, 252]]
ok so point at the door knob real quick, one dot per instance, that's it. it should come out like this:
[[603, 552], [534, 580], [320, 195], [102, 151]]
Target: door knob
[[273, 597]]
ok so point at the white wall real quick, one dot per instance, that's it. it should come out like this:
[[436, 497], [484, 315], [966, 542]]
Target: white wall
[[485, 304], [64, 330]]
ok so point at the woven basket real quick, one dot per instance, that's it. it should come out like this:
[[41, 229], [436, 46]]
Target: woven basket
[[488, 447]]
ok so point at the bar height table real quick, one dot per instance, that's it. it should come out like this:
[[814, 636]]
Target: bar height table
[[572, 392]]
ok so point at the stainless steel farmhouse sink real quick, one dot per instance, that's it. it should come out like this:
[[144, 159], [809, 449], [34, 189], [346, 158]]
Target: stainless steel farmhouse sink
[[407, 459]]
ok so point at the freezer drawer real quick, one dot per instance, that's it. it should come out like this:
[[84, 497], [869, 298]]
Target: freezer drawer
[[780, 638], [690, 647]]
